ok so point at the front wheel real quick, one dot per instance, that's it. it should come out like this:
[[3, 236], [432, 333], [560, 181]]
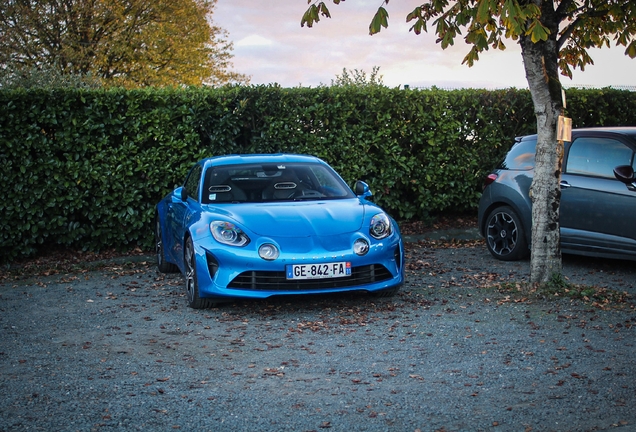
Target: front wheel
[[505, 235], [191, 283]]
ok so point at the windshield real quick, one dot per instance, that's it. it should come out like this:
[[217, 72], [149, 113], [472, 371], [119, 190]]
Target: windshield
[[273, 182]]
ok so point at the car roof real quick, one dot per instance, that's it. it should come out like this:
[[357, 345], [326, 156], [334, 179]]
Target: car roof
[[629, 131], [237, 159], [623, 130]]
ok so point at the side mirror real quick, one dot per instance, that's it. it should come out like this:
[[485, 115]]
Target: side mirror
[[180, 194], [624, 173], [362, 189]]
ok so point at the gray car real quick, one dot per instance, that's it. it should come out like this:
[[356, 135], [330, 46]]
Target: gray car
[[598, 197]]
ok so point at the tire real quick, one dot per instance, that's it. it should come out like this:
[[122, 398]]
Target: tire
[[162, 265], [191, 283], [505, 235]]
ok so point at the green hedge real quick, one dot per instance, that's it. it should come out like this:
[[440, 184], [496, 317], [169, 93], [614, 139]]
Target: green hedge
[[85, 168]]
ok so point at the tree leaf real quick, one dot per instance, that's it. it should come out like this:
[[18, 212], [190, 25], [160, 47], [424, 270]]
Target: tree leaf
[[380, 19], [484, 11], [631, 50], [308, 17], [537, 31], [323, 10]]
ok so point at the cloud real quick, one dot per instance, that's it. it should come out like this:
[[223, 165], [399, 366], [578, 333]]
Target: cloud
[[253, 41], [272, 47]]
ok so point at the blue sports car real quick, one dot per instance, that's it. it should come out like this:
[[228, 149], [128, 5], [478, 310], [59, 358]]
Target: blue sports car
[[255, 226]]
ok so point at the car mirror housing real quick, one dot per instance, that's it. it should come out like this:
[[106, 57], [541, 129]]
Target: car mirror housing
[[181, 194], [362, 189], [624, 173]]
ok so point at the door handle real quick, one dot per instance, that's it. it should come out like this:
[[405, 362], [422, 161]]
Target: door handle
[[565, 185]]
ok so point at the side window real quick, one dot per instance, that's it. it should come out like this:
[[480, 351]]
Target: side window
[[520, 156], [193, 181], [597, 157]]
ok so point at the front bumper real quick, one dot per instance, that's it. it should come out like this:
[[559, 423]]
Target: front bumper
[[225, 272]]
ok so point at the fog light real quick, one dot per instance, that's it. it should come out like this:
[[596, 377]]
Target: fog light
[[361, 247], [268, 252]]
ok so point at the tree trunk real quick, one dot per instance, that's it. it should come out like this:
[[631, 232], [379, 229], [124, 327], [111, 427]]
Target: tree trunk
[[540, 63]]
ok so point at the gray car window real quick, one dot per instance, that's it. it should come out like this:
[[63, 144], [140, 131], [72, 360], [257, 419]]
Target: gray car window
[[597, 157], [520, 156]]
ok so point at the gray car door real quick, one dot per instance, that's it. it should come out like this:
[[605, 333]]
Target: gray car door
[[596, 209]]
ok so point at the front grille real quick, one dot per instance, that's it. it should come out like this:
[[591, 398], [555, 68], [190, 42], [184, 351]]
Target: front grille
[[277, 281]]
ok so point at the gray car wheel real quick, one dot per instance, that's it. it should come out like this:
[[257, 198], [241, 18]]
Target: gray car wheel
[[505, 235]]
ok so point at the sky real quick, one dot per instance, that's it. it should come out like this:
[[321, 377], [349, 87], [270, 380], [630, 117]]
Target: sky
[[272, 47]]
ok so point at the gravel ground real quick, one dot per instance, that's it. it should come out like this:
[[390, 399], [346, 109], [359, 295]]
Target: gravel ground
[[117, 349]]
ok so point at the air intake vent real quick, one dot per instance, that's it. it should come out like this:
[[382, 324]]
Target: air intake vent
[[276, 281]]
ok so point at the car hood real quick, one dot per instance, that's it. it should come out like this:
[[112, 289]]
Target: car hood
[[300, 218]]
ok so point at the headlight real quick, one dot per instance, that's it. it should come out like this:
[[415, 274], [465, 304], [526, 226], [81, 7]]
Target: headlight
[[361, 247], [380, 226], [268, 252], [228, 233]]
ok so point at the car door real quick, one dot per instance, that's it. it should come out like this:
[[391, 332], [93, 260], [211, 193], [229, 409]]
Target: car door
[[596, 209], [180, 211]]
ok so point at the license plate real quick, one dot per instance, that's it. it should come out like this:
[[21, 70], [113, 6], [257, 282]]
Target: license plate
[[318, 271]]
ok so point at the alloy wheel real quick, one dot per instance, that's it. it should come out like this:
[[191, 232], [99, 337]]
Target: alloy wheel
[[502, 233], [190, 271]]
